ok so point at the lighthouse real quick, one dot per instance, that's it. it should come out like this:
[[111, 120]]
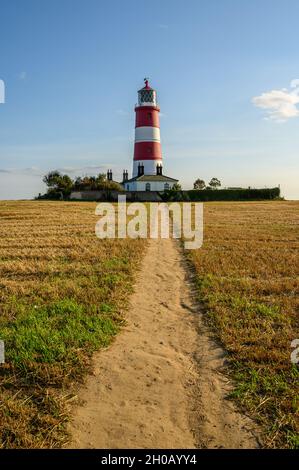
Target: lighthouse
[[147, 161], [147, 147]]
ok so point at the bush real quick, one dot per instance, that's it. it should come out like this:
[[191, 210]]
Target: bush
[[234, 194]]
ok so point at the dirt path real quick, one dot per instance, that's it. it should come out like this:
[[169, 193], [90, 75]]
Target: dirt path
[[160, 383]]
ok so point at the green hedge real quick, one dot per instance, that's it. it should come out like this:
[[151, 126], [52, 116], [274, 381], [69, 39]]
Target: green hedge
[[201, 195], [222, 195], [234, 194]]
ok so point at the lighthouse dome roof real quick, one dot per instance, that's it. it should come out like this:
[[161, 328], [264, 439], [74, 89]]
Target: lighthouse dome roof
[[146, 87]]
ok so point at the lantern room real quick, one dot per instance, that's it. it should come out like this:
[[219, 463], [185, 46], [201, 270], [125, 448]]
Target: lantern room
[[147, 96]]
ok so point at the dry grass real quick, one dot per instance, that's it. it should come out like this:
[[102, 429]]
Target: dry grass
[[63, 291], [62, 294], [247, 275]]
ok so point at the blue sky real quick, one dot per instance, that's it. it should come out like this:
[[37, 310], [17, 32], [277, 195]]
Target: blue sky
[[225, 72]]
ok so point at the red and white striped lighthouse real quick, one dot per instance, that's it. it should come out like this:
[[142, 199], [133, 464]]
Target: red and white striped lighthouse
[[147, 166], [147, 148]]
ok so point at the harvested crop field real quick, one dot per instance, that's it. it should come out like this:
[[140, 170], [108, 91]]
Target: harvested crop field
[[62, 296], [247, 279]]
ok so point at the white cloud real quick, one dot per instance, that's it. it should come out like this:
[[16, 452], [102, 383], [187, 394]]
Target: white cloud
[[23, 75], [91, 169], [33, 170], [69, 170], [280, 105]]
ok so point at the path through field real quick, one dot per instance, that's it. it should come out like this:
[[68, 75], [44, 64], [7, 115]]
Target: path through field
[[160, 385]]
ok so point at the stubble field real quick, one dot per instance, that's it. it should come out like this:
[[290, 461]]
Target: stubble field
[[62, 296], [248, 280]]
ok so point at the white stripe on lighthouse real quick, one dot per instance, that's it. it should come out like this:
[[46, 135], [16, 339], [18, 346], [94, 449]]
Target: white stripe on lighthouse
[[150, 166], [147, 134]]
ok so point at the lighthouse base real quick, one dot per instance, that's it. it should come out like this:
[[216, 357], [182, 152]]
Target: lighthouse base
[[149, 183], [150, 166]]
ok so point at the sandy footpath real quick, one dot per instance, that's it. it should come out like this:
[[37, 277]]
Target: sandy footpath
[[160, 385]]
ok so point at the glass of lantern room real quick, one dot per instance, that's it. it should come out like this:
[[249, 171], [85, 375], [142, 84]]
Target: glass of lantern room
[[147, 97]]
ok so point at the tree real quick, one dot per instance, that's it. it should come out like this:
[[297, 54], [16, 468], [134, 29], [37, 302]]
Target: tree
[[60, 186], [66, 185], [101, 180], [52, 179], [199, 184], [113, 186], [173, 194], [58, 183], [77, 182], [96, 183], [215, 183], [176, 187]]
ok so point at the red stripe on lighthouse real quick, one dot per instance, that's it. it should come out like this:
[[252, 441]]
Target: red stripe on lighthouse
[[147, 151], [147, 116]]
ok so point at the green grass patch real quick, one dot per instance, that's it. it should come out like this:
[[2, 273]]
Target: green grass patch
[[53, 333]]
